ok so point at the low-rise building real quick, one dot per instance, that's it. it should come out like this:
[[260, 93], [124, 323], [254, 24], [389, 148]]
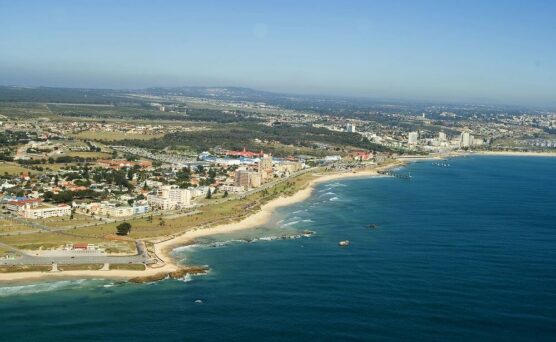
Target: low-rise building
[[36, 209]]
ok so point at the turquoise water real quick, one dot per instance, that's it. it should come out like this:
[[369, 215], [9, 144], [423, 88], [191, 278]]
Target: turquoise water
[[466, 252]]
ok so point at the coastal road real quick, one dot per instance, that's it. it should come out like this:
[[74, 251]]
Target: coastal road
[[82, 259]]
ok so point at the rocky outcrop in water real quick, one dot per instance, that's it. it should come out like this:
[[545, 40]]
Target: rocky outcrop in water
[[178, 274]]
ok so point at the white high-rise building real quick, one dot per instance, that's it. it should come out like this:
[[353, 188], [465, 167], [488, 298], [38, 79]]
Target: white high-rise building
[[350, 128], [466, 139], [412, 138], [170, 197], [441, 136]]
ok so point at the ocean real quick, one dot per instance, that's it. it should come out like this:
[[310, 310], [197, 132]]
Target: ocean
[[463, 252]]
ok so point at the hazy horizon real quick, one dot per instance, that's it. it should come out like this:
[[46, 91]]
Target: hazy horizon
[[500, 52]]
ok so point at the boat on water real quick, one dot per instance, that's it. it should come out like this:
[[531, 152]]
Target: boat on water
[[373, 225], [343, 243]]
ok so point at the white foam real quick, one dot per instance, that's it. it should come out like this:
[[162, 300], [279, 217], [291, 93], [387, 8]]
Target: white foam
[[336, 184], [334, 199], [186, 248], [39, 287], [290, 223]]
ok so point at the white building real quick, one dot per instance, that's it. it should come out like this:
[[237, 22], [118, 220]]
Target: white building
[[36, 211], [441, 136], [170, 197], [412, 138], [112, 209], [350, 128], [231, 188], [332, 158], [466, 140]]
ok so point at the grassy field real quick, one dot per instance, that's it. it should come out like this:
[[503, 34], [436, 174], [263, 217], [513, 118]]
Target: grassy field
[[114, 136], [9, 226], [12, 169], [24, 110], [20, 268], [96, 155], [16, 169], [130, 267], [65, 221], [46, 240], [81, 267]]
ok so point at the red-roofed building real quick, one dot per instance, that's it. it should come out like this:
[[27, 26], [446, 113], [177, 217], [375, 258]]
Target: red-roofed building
[[361, 155], [80, 245], [16, 205], [33, 208], [244, 153]]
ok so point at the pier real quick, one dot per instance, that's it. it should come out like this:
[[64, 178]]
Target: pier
[[395, 174]]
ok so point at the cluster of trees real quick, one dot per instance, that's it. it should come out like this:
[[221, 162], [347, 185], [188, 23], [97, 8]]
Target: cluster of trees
[[244, 135], [9, 137], [68, 196], [116, 177], [58, 160], [123, 228]]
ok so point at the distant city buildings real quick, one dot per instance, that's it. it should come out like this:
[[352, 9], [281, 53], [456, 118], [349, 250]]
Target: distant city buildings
[[350, 127]]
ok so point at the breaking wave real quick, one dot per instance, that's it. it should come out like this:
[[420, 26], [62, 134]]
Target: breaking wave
[[218, 244], [290, 223], [329, 193], [40, 287]]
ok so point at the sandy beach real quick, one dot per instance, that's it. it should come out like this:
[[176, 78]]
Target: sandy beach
[[164, 247]]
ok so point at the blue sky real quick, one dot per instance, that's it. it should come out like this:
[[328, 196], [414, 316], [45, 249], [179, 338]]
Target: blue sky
[[441, 50]]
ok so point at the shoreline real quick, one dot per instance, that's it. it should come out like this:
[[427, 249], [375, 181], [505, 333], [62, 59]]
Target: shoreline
[[514, 154], [164, 248], [165, 245]]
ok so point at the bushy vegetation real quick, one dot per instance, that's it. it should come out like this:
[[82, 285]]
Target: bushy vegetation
[[245, 135]]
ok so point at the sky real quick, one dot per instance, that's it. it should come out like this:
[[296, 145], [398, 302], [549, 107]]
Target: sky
[[483, 51]]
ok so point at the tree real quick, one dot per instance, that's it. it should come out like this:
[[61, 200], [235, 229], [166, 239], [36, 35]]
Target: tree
[[209, 194], [123, 228], [225, 193]]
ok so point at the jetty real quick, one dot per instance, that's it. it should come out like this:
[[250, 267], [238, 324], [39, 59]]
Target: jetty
[[395, 174]]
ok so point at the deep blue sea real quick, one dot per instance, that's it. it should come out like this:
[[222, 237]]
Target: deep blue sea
[[461, 253]]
